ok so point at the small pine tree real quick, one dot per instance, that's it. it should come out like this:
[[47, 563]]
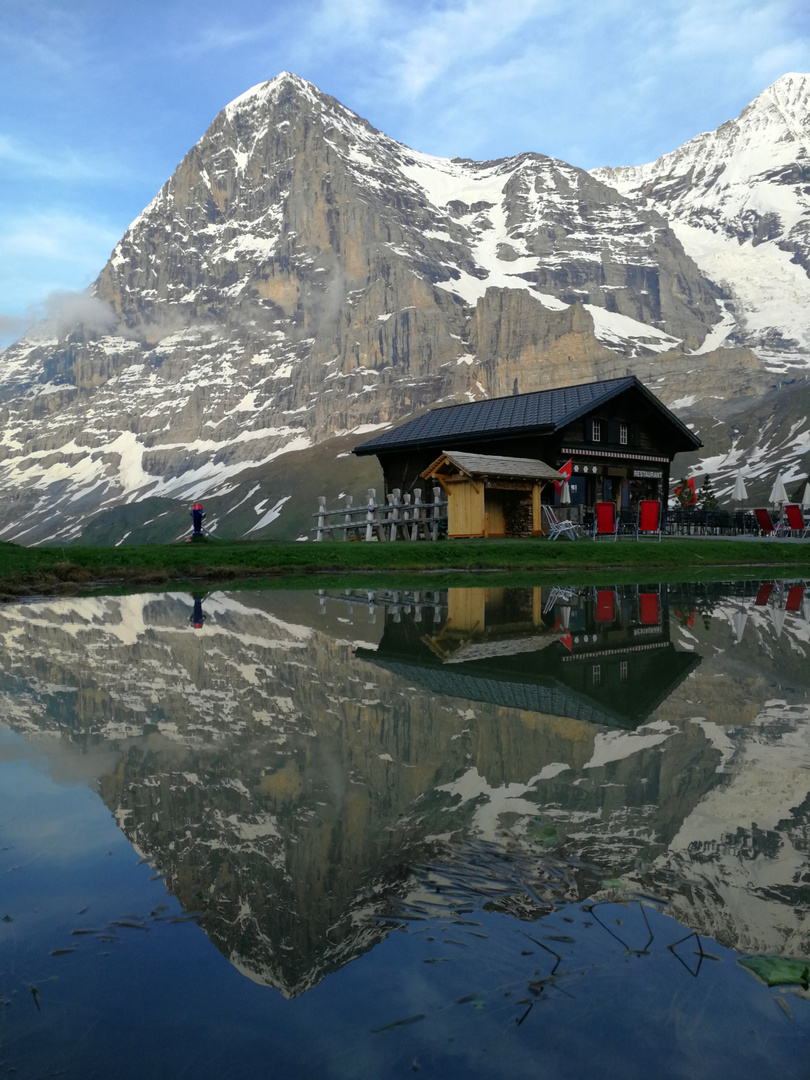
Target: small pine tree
[[706, 496]]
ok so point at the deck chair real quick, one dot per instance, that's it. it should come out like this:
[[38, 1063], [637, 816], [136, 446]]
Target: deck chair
[[648, 609], [648, 519], [605, 521], [557, 528], [764, 594], [794, 598], [766, 526], [795, 522], [607, 601]]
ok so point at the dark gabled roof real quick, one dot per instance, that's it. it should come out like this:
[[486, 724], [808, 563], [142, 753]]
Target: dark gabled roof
[[538, 412]]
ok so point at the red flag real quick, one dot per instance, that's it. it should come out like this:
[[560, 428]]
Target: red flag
[[566, 471], [567, 640], [690, 483]]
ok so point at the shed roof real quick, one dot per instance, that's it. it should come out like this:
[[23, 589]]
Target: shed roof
[[538, 411], [496, 465]]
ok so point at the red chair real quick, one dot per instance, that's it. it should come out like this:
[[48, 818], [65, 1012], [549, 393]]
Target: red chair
[[764, 522], [795, 522], [648, 521], [605, 521]]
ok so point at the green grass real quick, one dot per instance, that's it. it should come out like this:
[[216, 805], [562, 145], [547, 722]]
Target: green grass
[[47, 570]]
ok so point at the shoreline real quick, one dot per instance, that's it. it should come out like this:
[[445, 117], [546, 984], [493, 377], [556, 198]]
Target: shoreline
[[29, 572]]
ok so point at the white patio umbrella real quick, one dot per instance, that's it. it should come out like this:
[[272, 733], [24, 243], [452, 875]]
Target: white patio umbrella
[[565, 494], [739, 494], [806, 495], [738, 621], [778, 494], [778, 619]]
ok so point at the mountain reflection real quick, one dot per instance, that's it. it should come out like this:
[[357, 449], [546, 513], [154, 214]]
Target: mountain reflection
[[288, 760]]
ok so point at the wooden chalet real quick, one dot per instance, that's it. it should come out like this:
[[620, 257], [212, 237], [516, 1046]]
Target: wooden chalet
[[619, 438], [491, 495]]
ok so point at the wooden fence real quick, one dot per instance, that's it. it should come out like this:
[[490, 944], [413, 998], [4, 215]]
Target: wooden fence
[[401, 517]]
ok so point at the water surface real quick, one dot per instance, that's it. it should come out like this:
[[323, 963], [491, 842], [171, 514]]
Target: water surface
[[497, 832]]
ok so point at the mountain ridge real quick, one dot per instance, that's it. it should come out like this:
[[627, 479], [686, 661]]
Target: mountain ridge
[[303, 278]]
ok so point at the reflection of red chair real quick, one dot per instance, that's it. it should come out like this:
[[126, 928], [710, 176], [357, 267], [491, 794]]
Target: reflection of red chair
[[764, 522], [764, 593], [648, 609], [605, 521], [794, 598], [648, 521], [606, 600], [795, 523]]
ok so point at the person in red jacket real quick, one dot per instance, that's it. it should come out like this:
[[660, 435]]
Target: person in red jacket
[[197, 515]]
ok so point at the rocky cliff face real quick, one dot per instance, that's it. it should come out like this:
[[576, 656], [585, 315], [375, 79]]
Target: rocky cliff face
[[303, 279]]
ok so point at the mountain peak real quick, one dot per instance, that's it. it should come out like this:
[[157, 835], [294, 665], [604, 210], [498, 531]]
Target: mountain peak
[[793, 83], [265, 91]]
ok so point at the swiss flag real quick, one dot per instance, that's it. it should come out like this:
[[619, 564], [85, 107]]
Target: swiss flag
[[567, 640], [566, 471]]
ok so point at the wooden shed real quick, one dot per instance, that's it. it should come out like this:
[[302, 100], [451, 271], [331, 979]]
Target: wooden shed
[[490, 495]]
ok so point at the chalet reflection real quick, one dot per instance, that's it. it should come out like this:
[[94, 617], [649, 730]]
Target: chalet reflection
[[619, 438], [600, 655]]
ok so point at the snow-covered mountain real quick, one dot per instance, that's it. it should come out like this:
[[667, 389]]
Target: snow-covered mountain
[[302, 279], [738, 199]]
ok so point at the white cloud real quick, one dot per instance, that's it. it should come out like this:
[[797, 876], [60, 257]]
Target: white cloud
[[43, 254], [55, 163], [462, 33], [71, 240]]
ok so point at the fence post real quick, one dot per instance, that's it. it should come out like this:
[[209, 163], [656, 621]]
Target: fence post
[[347, 518], [322, 523], [370, 511], [417, 513], [406, 516], [393, 517], [437, 491]]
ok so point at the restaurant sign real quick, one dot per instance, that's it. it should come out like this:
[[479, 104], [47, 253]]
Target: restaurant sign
[[648, 474]]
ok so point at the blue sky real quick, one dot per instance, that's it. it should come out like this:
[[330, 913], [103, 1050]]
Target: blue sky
[[100, 99]]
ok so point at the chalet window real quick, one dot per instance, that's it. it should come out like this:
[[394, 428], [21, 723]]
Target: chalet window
[[623, 434], [596, 674], [596, 430], [623, 670]]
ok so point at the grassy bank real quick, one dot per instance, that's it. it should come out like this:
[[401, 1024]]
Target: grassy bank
[[34, 570]]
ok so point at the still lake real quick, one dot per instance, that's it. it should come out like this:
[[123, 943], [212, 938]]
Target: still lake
[[368, 834]]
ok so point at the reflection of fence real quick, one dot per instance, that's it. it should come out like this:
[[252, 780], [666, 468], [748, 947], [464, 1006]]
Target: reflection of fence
[[401, 517], [417, 602]]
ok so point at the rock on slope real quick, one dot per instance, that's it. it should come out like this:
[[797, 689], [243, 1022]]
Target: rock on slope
[[301, 280]]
